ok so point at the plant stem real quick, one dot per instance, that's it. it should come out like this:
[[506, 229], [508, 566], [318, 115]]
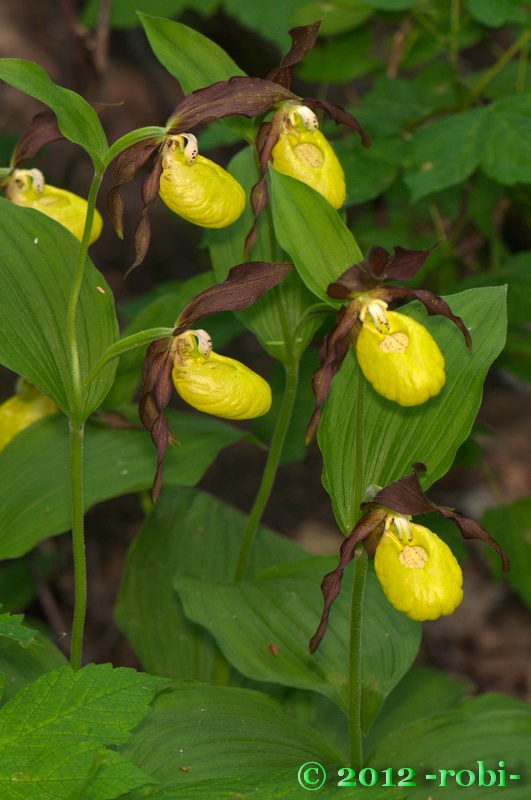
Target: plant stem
[[77, 428], [504, 59], [78, 543], [73, 300], [270, 470], [354, 660]]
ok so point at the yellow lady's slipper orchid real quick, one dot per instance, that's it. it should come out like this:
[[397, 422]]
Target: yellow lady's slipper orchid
[[304, 153], [196, 188], [27, 188], [21, 410], [399, 357], [216, 384], [418, 572]]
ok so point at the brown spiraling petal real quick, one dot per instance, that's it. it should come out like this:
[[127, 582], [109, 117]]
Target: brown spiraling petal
[[302, 40], [331, 584], [244, 285]]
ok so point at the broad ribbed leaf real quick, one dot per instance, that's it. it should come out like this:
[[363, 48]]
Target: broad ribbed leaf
[[489, 729], [52, 733], [117, 461], [37, 262], [311, 231], [77, 120], [188, 531], [201, 734], [379, 439], [264, 625]]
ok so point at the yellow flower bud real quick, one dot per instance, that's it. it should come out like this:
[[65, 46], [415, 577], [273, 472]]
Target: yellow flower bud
[[418, 572], [27, 188], [21, 410], [216, 384], [196, 188], [303, 152], [401, 359]]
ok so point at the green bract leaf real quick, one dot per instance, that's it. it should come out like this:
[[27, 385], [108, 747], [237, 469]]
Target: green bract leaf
[[37, 262], [310, 230], [199, 733], [191, 532], [391, 437], [52, 733], [193, 59], [263, 627], [117, 461], [290, 300], [77, 120]]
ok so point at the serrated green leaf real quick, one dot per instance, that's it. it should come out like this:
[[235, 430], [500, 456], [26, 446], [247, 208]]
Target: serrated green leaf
[[310, 230], [193, 532], [369, 171], [251, 619], [37, 262], [391, 438], [201, 734], [510, 525], [117, 461], [498, 12], [11, 627], [77, 120], [52, 732], [504, 140], [444, 153]]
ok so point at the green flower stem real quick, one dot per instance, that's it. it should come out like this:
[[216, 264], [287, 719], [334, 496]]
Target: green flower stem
[[78, 543], [77, 427], [271, 467], [354, 660], [73, 300]]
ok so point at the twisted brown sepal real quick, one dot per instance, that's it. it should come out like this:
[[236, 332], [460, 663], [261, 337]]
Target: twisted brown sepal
[[239, 95], [332, 352], [303, 39], [331, 583], [244, 284], [379, 266], [42, 130], [156, 393], [404, 496]]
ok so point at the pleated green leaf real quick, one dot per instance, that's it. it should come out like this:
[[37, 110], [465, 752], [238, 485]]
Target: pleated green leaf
[[192, 532], [264, 625], [311, 231], [117, 462], [37, 262], [380, 440], [491, 730], [77, 120], [202, 735]]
